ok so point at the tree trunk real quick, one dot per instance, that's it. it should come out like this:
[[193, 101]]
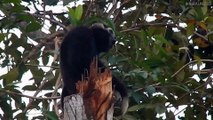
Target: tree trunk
[[94, 100]]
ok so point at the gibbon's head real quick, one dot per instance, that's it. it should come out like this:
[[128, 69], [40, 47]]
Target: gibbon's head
[[104, 37]]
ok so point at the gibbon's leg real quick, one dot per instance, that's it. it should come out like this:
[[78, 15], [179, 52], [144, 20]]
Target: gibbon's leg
[[119, 87]]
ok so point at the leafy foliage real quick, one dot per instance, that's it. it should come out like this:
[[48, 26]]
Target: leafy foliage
[[164, 54]]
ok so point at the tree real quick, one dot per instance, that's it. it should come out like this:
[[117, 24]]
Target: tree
[[164, 54]]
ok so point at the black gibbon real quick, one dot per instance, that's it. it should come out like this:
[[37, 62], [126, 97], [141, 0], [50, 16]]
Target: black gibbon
[[77, 51]]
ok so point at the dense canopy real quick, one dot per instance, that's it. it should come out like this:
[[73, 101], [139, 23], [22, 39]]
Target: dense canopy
[[164, 54]]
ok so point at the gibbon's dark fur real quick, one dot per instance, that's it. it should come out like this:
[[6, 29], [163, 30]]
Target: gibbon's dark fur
[[78, 49]]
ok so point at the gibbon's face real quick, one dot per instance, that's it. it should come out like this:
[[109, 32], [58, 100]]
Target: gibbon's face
[[104, 37], [112, 38]]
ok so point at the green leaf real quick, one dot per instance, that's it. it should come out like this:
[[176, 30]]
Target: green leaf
[[12, 1], [65, 2], [33, 26], [51, 115], [26, 17], [205, 6], [169, 33], [190, 29], [10, 76], [29, 87], [137, 72], [160, 109], [161, 39], [199, 62], [138, 97], [143, 35], [199, 15], [49, 75], [170, 115], [45, 57], [2, 36], [71, 14], [150, 89], [51, 2], [78, 12], [209, 21], [129, 117], [153, 62], [6, 107], [153, 30], [75, 14], [16, 98], [22, 116], [136, 107], [189, 113]]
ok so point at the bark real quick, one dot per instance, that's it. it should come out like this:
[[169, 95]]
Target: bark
[[94, 100]]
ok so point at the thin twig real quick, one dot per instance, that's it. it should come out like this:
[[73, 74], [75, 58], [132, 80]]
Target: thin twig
[[112, 10], [209, 33], [153, 85], [180, 111], [32, 97], [34, 5], [191, 62], [35, 94], [52, 20], [196, 33], [207, 81], [139, 26], [40, 45], [58, 84], [55, 67], [88, 9]]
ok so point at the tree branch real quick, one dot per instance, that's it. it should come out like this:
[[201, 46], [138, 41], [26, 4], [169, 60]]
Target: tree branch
[[51, 20], [32, 97], [40, 45], [196, 33], [191, 62], [139, 26]]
